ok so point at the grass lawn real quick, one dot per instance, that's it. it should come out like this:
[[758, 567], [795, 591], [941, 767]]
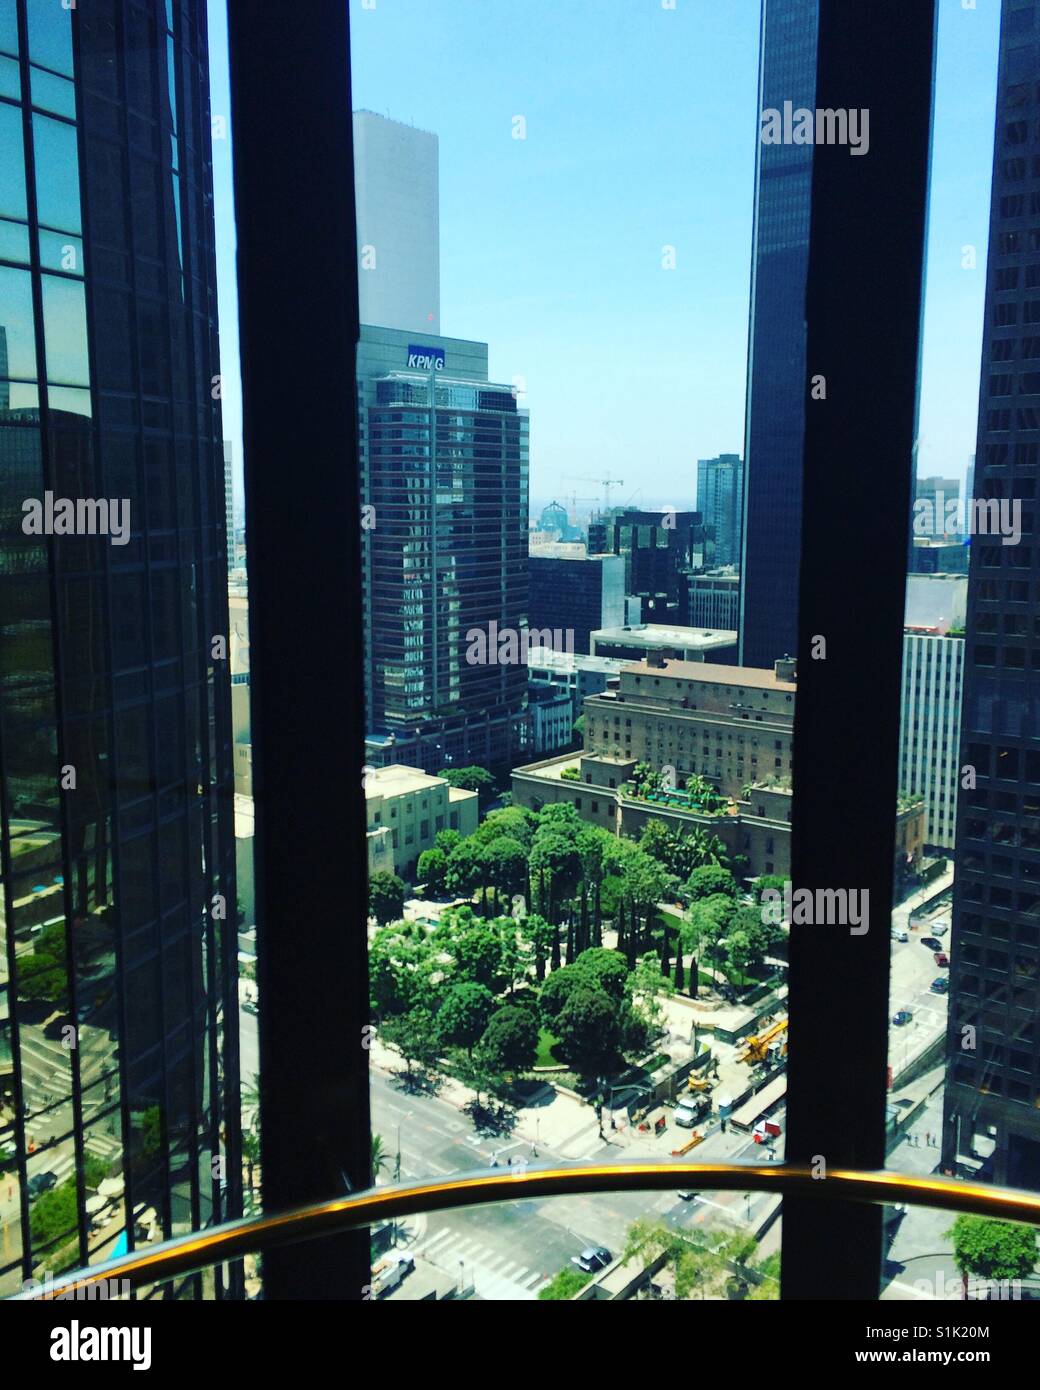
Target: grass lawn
[[545, 1056]]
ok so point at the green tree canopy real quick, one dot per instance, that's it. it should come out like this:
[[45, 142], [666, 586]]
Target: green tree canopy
[[465, 1013], [472, 779], [987, 1249], [510, 1041], [589, 1031], [385, 897], [606, 968], [710, 879], [432, 870], [415, 1036]]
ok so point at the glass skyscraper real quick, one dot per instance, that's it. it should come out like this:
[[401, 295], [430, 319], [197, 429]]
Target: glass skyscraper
[[774, 430], [118, 999], [992, 1101], [720, 501], [444, 465]]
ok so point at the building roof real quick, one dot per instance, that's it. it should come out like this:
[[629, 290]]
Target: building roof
[[709, 671], [398, 780], [655, 634]]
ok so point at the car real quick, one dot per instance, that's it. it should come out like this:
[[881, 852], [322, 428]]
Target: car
[[898, 934], [595, 1257], [686, 1195], [249, 1006], [940, 985], [902, 1017], [940, 929], [932, 942], [688, 1113], [40, 1183], [942, 960]]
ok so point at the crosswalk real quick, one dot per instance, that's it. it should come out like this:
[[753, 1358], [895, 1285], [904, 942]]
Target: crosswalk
[[492, 1275]]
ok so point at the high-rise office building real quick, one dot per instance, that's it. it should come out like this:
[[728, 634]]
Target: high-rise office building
[[776, 389], [229, 506], [398, 224], [929, 727], [715, 599], [572, 596], [720, 501], [661, 550], [992, 1100], [444, 462], [119, 1084]]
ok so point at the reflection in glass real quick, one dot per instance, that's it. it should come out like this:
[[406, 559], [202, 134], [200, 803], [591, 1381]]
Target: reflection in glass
[[50, 36], [16, 321], [12, 166], [65, 331]]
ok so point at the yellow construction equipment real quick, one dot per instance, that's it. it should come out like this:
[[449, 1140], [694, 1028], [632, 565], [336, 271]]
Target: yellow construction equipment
[[691, 1143], [699, 1083], [756, 1049]]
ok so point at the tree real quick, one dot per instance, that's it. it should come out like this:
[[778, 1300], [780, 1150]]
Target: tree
[[472, 779], [465, 866], [708, 880], [432, 869], [465, 1013], [380, 1157], [385, 897], [506, 864], [605, 968], [446, 840], [415, 1037], [477, 947], [987, 1249], [510, 1041], [54, 1213], [589, 1032], [514, 822], [647, 985], [738, 952], [401, 966], [44, 974], [538, 936], [557, 990], [692, 1266]]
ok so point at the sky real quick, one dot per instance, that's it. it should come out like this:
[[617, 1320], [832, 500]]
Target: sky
[[641, 125]]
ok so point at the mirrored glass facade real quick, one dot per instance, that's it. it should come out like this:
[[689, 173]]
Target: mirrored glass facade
[[118, 1011]]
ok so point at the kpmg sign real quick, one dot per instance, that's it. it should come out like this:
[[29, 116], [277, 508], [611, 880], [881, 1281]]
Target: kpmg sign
[[426, 359]]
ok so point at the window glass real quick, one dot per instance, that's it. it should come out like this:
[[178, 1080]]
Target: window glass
[[57, 174], [53, 93], [14, 242], [16, 320], [65, 331], [12, 165], [8, 26], [50, 35], [10, 79]]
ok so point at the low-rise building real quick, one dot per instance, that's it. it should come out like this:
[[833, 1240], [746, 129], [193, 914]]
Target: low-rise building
[[637, 642], [732, 725], [413, 806]]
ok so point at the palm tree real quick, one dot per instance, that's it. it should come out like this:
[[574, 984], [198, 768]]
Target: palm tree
[[380, 1157]]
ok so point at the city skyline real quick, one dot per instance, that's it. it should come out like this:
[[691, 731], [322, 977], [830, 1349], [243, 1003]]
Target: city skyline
[[524, 266]]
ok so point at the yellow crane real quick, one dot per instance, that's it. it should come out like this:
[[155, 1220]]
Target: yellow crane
[[757, 1048]]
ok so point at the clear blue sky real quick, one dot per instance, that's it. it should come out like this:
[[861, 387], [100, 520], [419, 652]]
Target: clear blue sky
[[641, 130]]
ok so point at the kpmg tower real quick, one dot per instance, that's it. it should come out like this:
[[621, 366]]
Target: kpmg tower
[[992, 1101], [118, 1000], [776, 381]]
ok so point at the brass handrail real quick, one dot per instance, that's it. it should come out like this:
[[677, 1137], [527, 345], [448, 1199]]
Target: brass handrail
[[217, 1244]]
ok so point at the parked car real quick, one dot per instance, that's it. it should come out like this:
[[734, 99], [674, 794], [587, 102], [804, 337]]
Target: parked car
[[940, 928], [932, 942], [249, 1006], [902, 1017], [898, 934], [940, 985], [942, 960], [40, 1183], [595, 1257]]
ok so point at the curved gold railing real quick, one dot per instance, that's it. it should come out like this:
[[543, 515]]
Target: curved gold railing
[[216, 1244]]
